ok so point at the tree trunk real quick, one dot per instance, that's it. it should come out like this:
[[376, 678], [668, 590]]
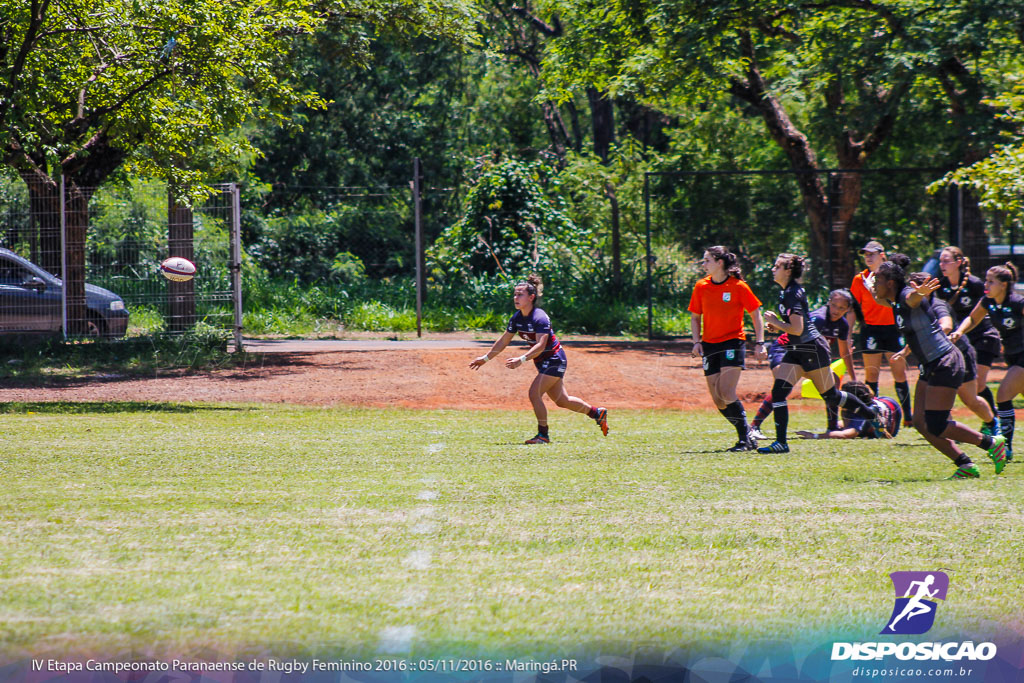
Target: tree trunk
[[602, 120], [180, 242], [76, 221], [44, 206]]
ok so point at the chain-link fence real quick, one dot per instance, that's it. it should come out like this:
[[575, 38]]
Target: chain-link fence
[[85, 262]]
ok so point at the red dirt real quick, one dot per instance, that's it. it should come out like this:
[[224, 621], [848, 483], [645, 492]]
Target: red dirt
[[613, 375]]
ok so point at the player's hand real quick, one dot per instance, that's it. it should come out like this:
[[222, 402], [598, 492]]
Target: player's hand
[[772, 320], [926, 288], [760, 353], [513, 363], [804, 434], [478, 362], [954, 336], [697, 350]]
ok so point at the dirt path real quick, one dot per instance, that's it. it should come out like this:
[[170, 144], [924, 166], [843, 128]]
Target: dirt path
[[609, 373]]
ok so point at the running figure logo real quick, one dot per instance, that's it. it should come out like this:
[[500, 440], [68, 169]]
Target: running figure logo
[[916, 594]]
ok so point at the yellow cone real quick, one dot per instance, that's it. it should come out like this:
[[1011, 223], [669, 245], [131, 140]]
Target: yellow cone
[[807, 389]]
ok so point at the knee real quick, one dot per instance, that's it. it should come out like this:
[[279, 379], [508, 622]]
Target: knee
[[780, 390], [936, 421]]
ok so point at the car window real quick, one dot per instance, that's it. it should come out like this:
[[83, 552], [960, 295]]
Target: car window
[[13, 273]]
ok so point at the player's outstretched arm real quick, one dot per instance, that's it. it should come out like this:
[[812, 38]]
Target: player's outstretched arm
[[496, 348]]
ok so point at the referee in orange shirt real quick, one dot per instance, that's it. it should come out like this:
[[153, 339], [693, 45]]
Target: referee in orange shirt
[[716, 307], [879, 334]]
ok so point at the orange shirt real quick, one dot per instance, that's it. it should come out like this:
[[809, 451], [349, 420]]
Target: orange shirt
[[874, 312], [721, 307]]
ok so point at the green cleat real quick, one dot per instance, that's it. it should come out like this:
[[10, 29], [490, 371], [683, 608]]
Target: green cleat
[[966, 472], [998, 453]]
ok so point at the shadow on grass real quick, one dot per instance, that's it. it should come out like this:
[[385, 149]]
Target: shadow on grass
[[94, 407]]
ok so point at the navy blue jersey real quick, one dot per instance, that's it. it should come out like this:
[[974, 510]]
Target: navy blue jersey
[[531, 326], [921, 327], [829, 329], [793, 301], [1007, 318], [889, 414], [962, 300]]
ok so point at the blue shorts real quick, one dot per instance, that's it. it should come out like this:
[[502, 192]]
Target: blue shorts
[[553, 365]]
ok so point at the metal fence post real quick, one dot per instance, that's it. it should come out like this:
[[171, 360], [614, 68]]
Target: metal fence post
[[236, 262], [417, 208], [63, 261], [647, 223]]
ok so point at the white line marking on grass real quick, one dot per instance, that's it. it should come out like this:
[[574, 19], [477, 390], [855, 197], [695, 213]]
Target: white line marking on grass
[[412, 598], [435, 448], [418, 559], [426, 495], [424, 528], [397, 639], [423, 512]]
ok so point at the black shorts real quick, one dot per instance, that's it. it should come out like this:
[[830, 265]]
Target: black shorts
[[776, 353], [988, 346], [986, 358], [812, 355], [1014, 359], [970, 362], [945, 371], [880, 338], [553, 365], [728, 354]]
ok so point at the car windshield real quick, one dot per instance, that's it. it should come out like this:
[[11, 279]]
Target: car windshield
[[15, 270]]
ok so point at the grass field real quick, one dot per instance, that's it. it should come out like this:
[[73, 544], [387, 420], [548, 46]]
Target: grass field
[[192, 529]]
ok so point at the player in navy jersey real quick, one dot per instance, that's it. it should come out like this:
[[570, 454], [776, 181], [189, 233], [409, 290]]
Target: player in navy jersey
[[807, 353], [962, 291], [831, 322], [533, 325], [1005, 308], [942, 371], [890, 415]]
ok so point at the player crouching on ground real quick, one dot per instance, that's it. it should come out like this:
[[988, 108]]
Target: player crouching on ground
[[885, 426], [548, 356]]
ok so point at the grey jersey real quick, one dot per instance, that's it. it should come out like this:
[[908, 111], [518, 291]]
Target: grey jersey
[[921, 327]]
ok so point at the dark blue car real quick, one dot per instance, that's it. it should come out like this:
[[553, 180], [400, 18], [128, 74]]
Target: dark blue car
[[30, 302]]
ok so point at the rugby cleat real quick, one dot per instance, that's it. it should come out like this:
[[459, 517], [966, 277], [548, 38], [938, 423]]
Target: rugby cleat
[[1009, 454], [991, 431], [540, 438], [743, 446], [756, 434], [998, 453], [602, 420], [774, 447], [966, 472]]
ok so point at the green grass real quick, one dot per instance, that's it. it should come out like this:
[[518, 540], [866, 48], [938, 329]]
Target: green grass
[[189, 529]]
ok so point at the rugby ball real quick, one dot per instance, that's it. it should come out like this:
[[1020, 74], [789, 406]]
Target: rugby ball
[[178, 269]]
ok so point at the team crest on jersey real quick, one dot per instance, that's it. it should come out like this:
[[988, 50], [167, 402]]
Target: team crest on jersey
[[1008, 323], [726, 296], [965, 301]]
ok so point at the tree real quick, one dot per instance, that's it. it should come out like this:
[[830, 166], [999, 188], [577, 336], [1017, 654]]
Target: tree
[[828, 79], [159, 87]]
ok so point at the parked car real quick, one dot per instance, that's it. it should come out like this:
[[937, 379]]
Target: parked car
[[30, 302]]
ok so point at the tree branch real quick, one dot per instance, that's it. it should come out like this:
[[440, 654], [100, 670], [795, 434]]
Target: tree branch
[[38, 11]]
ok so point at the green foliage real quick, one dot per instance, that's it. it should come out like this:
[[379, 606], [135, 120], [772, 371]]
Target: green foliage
[[508, 226]]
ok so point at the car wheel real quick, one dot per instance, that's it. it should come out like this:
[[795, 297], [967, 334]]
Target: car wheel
[[95, 327]]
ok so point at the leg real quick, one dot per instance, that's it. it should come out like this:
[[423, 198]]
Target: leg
[[937, 404], [540, 386], [786, 375], [968, 393], [872, 368], [713, 381], [1009, 388], [562, 399], [732, 409], [944, 446], [983, 390], [899, 378]]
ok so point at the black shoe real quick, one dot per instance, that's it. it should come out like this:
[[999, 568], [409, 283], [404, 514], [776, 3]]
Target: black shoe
[[742, 446]]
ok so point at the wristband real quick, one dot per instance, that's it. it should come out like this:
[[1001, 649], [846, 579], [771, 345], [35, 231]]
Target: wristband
[[522, 358], [816, 436], [484, 358]]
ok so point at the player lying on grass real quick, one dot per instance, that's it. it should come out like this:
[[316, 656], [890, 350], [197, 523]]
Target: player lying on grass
[[548, 356], [942, 371], [807, 353], [885, 426]]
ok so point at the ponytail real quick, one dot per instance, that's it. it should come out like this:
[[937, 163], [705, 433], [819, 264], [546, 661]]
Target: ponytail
[[794, 264], [534, 285], [965, 267], [728, 259], [1006, 273]]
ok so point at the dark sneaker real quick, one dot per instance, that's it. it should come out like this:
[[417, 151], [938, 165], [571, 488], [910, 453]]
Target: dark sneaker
[[966, 472], [774, 447], [742, 446], [602, 420], [540, 438]]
